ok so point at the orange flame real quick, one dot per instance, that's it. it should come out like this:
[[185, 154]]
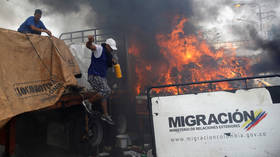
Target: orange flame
[[149, 68], [189, 59], [133, 50]]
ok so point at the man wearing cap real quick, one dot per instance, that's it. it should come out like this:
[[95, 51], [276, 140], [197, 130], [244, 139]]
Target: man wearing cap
[[101, 60], [34, 25]]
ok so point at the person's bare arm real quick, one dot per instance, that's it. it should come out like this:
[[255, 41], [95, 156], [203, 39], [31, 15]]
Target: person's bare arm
[[48, 32], [40, 30], [89, 43]]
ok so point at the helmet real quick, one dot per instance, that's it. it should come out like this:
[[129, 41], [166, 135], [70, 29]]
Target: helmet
[[112, 43]]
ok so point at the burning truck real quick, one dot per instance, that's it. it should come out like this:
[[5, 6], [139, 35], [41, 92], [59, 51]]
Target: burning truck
[[182, 58], [179, 58], [207, 98]]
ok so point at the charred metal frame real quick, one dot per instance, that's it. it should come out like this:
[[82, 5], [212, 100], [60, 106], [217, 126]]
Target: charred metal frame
[[149, 97]]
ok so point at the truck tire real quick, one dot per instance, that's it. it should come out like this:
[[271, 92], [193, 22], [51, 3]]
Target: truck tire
[[95, 132], [77, 131]]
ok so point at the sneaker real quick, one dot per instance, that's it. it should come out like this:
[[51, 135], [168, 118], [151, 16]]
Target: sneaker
[[107, 119], [87, 105]]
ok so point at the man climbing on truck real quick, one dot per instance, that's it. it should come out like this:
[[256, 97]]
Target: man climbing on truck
[[101, 60], [34, 25]]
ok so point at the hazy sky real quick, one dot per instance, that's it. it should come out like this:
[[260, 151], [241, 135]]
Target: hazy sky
[[14, 12], [211, 16], [143, 20]]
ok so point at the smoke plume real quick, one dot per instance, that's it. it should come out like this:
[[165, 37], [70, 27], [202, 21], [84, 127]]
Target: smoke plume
[[139, 20], [143, 20], [270, 58]]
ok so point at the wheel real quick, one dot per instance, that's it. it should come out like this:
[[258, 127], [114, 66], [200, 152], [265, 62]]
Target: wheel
[[95, 132], [80, 141]]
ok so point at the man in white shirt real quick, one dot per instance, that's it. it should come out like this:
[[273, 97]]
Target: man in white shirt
[[101, 60]]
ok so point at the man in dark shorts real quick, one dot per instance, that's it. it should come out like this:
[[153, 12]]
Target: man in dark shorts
[[34, 25], [101, 60]]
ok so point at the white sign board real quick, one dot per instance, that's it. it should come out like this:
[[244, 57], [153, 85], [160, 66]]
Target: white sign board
[[217, 124]]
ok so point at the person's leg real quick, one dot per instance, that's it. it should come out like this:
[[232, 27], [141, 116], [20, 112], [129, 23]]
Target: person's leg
[[100, 85], [95, 84], [104, 106], [93, 98], [106, 91]]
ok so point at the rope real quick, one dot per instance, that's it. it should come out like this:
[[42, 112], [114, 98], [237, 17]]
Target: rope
[[58, 51], [50, 71]]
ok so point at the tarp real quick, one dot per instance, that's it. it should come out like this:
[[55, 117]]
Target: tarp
[[83, 56], [34, 71]]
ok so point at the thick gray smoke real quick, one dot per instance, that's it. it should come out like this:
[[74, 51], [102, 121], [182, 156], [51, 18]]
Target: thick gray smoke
[[261, 28], [123, 14], [139, 20], [143, 20], [60, 7], [270, 58], [208, 11]]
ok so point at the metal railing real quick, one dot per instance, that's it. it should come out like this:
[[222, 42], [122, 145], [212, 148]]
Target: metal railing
[[244, 79], [99, 35]]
